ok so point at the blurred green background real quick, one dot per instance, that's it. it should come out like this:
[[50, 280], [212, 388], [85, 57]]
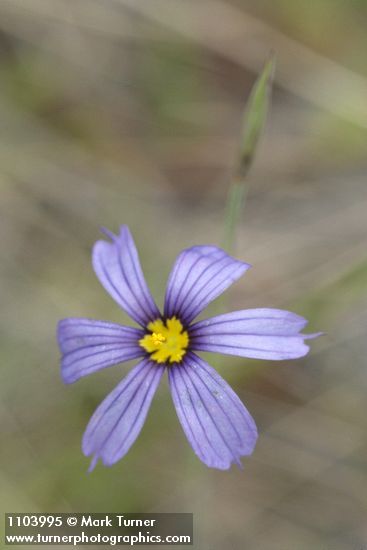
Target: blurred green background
[[128, 111]]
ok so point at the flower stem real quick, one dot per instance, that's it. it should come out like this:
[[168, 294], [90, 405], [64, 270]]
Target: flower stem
[[252, 128]]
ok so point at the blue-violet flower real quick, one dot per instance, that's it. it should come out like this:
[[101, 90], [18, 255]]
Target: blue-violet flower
[[216, 423]]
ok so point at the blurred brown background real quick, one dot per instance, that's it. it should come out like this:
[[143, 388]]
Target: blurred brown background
[[128, 111]]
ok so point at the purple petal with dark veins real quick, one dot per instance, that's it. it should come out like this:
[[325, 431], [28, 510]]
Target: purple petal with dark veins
[[87, 346], [117, 266], [199, 275], [255, 333], [216, 423], [117, 421]]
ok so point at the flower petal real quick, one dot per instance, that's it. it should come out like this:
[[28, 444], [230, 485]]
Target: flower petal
[[88, 346], [254, 333], [118, 268], [117, 421], [199, 275], [216, 423]]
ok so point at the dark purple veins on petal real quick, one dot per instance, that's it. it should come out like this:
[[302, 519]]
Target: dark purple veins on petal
[[216, 423], [87, 346], [199, 275], [118, 420], [117, 266], [272, 334]]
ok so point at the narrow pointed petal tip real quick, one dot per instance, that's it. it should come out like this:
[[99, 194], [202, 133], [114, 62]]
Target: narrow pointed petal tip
[[107, 233], [313, 335], [93, 464], [216, 423]]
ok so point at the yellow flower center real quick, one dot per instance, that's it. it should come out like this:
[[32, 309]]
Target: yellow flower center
[[167, 341]]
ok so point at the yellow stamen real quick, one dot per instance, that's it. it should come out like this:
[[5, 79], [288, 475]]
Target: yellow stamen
[[166, 342], [158, 338]]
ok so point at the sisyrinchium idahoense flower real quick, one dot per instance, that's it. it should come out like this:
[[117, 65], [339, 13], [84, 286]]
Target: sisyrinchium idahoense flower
[[216, 423]]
